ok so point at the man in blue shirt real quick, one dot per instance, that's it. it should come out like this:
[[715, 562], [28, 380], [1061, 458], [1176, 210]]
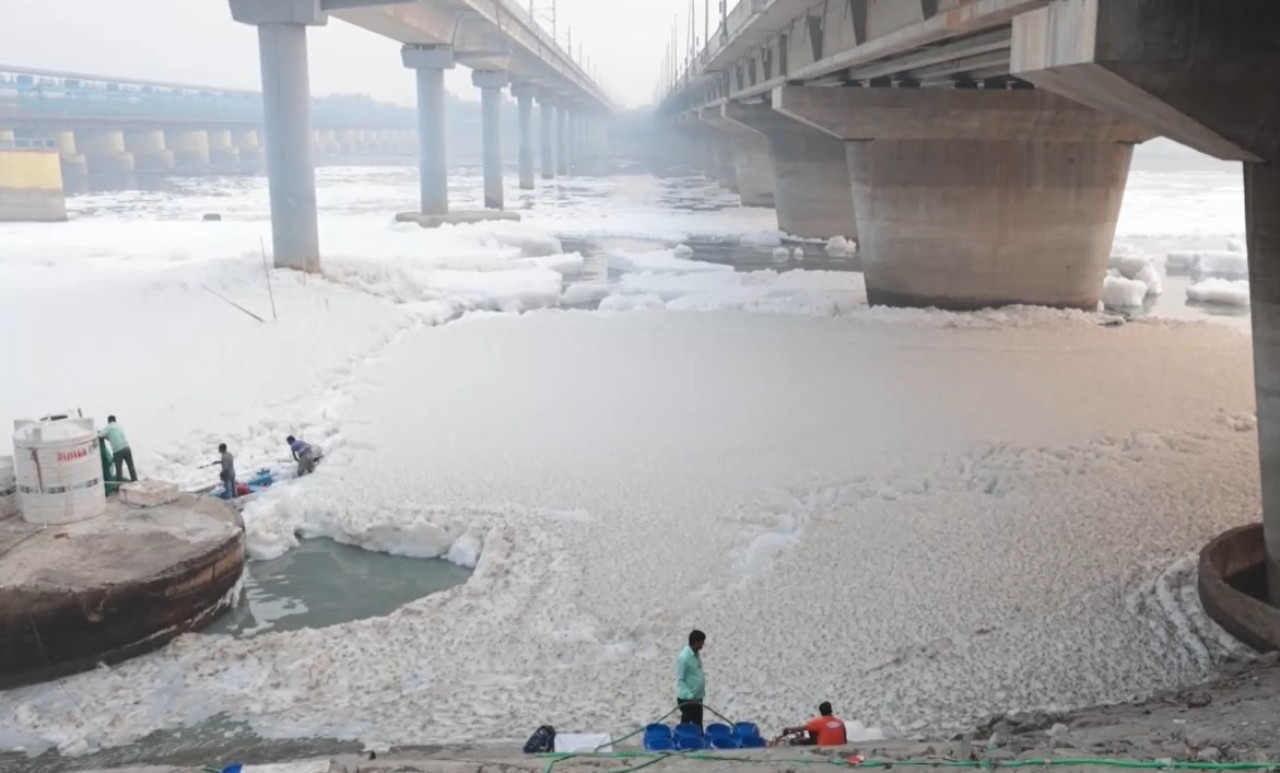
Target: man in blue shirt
[[303, 455], [121, 454], [691, 684]]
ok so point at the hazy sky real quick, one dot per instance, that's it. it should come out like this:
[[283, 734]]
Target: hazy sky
[[195, 41]]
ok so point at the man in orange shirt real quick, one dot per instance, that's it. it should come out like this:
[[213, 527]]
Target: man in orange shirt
[[824, 730]]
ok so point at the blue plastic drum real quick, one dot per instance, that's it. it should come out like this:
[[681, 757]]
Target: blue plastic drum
[[658, 743], [718, 729], [689, 731], [656, 729], [689, 743], [745, 730], [753, 742], [724, 742]]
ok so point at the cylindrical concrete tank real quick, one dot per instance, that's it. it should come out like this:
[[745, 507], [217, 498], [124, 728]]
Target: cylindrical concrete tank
[[59, 470]]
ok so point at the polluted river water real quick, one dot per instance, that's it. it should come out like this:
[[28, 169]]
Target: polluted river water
[[922, 517]]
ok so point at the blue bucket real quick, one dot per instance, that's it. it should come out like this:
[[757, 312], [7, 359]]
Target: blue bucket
[[688, 731], [657, 729], [689, 743], [724, 742], [718, 729], [745, 729], [752, 742], [658, 743]]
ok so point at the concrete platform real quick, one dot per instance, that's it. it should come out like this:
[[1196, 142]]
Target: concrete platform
[[110, 588], [461, 217]]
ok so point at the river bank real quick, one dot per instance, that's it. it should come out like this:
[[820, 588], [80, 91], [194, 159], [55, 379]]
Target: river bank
[[1229, 720]]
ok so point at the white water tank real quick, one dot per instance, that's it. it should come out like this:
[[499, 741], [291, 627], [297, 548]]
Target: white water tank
[[59, 470]]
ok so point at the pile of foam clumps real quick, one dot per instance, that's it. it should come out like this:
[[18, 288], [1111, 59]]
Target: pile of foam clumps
[[1131, 277], [1218, 276]]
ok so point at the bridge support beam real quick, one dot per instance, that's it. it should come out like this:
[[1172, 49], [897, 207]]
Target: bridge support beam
[[547, 133], [286, 102], [562, 139], [105, 155], [224, 157], [524, 94], [491, 83], [429, 64], [968, 198], [1175, 65], [150, 156], [752, 168], [812, 194], [190, 149]]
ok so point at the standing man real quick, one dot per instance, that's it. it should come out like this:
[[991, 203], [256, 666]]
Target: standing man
[[121, 454], [303, 454], [691, 684], [228, 475]]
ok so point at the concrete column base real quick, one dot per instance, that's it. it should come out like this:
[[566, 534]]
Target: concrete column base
[[726, 169], [74, 166], [972, 198], [968, 225], [754, 169], [110, 165], [31, 186], [154, 162], [224, 160], [812, 194]]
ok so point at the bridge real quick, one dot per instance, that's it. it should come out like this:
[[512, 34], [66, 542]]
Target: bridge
[[978, 149], [113, 127], [502, 44]]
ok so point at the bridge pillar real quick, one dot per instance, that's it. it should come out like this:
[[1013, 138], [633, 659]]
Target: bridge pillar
[[31, 185], [491, 83], [349, 141], [812, 195], [752, 169], [190, 148], [286, 102], [726, 170], [150, 156], [524, 102], [572, 138], [971, 198], [547, 133], [429, 64], [105, 155], [248, 148], [223, 155], [75, 168], [1180, 67], [562, 139]]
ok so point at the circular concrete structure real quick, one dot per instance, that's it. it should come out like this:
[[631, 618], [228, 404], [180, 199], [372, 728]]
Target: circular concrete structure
[[1233, 586], [106, 589]]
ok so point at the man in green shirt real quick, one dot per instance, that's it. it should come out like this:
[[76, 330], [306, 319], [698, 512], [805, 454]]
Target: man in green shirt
[[691, 684], [121, 454]]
